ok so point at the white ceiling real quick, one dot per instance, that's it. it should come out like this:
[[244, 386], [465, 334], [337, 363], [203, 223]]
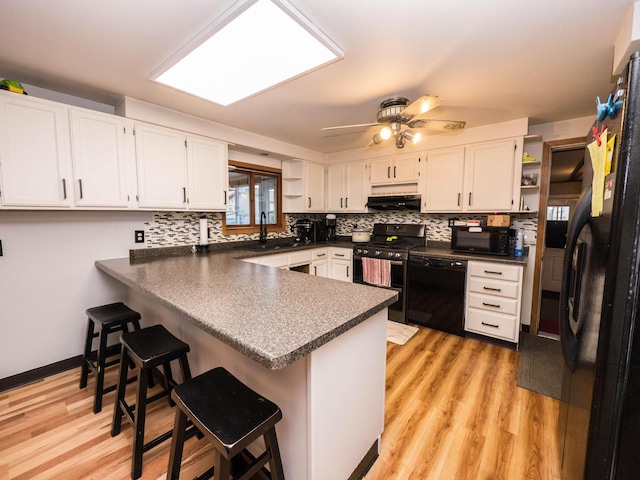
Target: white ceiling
[[491, 60]]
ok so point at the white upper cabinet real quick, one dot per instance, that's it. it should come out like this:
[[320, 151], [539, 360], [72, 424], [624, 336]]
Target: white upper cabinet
[[489, 176], [347, 187], [178, 171], [35, 153], [208, 173], [303, 186], [444, 174], [473, 178], [396, 169], [99, 162], [161, 158]]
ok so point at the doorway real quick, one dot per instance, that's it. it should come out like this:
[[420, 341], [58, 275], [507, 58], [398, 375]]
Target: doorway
[[561, 184]]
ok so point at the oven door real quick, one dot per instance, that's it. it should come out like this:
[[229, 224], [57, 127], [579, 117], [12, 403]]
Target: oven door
[[397, 311]]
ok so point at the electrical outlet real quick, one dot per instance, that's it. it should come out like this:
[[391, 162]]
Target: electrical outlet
[[139, 236]]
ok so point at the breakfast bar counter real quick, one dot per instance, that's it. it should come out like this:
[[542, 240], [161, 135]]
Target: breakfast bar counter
[[314, 346]]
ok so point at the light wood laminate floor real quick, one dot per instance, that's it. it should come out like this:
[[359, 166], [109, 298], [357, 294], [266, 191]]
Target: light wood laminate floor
[[453, 411]]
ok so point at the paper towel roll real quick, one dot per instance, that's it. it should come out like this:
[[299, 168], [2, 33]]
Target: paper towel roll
[[204, 237]]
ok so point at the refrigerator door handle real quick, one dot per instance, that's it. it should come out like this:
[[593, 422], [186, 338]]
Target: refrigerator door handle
[[571, 278]]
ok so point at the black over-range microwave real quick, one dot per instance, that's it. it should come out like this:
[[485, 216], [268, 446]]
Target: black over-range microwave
[[488, 240]]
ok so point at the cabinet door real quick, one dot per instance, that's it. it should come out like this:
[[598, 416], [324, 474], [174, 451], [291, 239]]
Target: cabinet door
[[208, 174], [489, 176], [380, 173], [320, 268], [405, 168], [161, 161], [341, 270], [35, 153], [315, 180], [98, 159], [336, 176], [356, 191], [444, 180]]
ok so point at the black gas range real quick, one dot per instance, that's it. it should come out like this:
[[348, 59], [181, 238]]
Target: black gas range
[[390, 243]]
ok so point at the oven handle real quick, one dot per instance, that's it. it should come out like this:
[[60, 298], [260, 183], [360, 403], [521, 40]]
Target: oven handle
[[358, 258], [396, 262]]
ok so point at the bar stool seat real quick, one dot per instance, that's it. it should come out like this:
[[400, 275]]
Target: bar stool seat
[[102, 322], [231, 416], [148, 349]]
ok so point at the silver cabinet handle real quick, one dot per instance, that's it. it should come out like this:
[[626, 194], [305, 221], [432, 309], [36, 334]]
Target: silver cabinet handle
[[389, 172], [493, 289], [340, 202], [346, 202], [64, 188], [309, 202], [315, 270], [321, 255], [469, 198], [80, 185], [459, 195], [184, 194], [493, 272], [339, 254], [394, 172], [347, 271], [225, 197], [490, 325]]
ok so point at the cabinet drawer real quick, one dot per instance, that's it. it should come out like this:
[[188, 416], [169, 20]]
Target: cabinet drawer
[[493, 303], [300, 257], [320, 254], [493, 287], [341, 253], [492, 324], [497, 271]]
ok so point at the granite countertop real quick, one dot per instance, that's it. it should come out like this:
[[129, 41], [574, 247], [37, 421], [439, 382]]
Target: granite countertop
[[270, 315]]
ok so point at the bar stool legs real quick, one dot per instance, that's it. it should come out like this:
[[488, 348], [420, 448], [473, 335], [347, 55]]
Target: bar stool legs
[[148, 349], [107, 319]]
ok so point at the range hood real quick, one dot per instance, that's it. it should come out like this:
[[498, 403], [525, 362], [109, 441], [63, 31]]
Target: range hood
[[394, 202]]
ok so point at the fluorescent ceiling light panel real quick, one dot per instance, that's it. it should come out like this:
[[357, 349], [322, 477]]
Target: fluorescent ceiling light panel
[[252, 47]]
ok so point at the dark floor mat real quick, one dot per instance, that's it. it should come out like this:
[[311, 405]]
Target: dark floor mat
[[541, 365]]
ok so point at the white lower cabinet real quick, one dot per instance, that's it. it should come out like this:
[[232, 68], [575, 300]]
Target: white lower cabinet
[[340, 267], [493, 300], [320, 262]]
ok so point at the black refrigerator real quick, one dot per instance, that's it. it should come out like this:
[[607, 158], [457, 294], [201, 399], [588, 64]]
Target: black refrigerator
[[599, 424]]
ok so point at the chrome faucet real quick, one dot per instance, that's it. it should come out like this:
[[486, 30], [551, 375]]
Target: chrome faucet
[[263, 228]]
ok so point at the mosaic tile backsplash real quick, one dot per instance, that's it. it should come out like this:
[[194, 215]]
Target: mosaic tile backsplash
[[182, 228]]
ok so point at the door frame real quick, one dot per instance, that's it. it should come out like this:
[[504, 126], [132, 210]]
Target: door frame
[[545, 177]]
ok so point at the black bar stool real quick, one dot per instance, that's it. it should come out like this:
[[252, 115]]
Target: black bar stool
[[106, 319], [231, 416], [148, 349]]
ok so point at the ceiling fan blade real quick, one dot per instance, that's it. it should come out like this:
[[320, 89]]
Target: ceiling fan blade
[[438, 125], [350, 126], [421, 106]]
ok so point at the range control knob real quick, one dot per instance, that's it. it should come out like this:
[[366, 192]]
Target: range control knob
[[377, 253], [365, 251], [390, 254], [397, 255], [358, 251]]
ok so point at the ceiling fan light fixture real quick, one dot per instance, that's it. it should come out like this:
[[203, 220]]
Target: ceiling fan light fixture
[[413, 137], [385, 133]]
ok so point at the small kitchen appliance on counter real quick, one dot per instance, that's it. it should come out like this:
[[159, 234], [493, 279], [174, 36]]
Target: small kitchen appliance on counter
[[310, 231], [330, 224], [480, 239], [390, 245]]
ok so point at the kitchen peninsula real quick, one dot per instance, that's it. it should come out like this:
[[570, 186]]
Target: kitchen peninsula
[[315, 346]]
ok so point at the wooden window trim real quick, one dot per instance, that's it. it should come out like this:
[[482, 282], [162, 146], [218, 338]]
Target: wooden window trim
[[280, 226]]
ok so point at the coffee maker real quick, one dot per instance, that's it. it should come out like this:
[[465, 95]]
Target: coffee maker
[[330, 224]]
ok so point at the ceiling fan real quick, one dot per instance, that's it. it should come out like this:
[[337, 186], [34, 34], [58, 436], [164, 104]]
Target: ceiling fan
[[396, 111]]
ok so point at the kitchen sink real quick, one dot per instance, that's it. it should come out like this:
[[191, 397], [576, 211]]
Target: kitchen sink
[[269, 246]]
